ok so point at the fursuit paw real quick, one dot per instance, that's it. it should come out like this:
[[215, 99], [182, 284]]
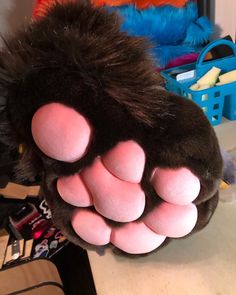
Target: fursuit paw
[[123, 163], [110, 188]]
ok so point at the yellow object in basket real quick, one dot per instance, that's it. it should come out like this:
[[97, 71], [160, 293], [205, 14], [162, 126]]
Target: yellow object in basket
[[197, 87], [228, 77], [207, 81], [224, 185], [210, 77]]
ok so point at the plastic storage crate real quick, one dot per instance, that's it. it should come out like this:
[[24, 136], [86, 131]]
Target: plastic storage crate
[[216, 100]]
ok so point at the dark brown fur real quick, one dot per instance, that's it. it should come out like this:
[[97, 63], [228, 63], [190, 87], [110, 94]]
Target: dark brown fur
[[78, 56]]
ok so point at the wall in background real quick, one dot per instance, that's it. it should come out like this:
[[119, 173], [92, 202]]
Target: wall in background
[[223, 14], [13, 14]]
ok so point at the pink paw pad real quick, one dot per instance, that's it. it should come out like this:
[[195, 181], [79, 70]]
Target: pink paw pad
[[113, 198], [91, 227], [60, 132], [178, 186], [126, 161], [171, 220], [73, 191], [136, 238]]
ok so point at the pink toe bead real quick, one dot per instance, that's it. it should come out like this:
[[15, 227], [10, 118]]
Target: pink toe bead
[[73, 191], [126, 161], [91, 227], [136, 238], [115, 199], [60, 132], [177, 186], [171, 220]]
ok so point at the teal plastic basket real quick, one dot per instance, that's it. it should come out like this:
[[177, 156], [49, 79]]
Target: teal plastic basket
[[215, 101]]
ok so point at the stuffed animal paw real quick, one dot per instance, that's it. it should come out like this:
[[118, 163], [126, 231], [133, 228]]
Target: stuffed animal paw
[[123, 162]]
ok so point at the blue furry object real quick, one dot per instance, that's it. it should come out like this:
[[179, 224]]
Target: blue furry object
[[172, 31]]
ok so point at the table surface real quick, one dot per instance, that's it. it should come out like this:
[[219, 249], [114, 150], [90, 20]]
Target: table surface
[[203, 264]]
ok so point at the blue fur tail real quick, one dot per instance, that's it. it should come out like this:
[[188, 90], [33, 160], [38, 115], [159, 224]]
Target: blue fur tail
[[198, 32], [172, 31]]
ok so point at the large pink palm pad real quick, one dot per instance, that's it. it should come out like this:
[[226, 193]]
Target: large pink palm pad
[[111, 186]]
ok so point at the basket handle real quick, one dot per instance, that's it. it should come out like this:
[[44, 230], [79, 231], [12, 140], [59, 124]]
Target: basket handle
[[213, 44]]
